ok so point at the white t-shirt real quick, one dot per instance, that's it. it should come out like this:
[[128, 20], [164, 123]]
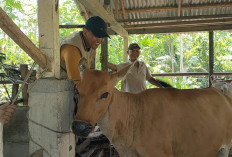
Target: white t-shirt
[[135, 79]]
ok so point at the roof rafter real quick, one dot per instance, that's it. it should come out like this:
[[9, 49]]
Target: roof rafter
[[181, 24], [178, 18], [123, 10], [98, 10], [176, 7], [180, 29]]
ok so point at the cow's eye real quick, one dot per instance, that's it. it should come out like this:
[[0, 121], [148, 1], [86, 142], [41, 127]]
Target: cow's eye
[[105, 95]]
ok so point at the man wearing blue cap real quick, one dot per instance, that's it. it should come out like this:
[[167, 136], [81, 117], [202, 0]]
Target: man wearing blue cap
[[81, 44]]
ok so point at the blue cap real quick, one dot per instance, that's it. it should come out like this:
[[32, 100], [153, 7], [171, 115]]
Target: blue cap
[[97, 26]]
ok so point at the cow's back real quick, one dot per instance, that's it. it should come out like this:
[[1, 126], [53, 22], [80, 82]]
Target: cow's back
[[183, 122]]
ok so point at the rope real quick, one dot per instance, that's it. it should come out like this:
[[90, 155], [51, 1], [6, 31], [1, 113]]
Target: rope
[[60, 132], [23, 84]]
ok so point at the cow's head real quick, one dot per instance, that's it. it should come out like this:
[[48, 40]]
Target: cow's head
[[95, 93]]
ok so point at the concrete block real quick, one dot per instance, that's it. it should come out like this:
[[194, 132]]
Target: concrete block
[[53, 104], [53, 144], [50, 117]]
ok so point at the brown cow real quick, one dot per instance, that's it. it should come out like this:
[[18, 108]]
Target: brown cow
[[157, 122]]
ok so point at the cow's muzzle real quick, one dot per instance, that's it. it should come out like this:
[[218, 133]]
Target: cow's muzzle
[[81, 128]]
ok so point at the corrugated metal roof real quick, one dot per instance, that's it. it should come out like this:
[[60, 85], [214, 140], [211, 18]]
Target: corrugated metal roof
[[141, 14]]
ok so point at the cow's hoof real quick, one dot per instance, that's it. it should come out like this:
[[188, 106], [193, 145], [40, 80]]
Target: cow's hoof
[[81, 129]]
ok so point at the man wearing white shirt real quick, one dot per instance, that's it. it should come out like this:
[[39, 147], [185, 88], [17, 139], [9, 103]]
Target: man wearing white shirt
[[136, 77]]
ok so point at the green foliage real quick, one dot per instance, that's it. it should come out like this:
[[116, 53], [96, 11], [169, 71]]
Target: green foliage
[[223, 52], [24, 15], [155, 52], [69, 15]]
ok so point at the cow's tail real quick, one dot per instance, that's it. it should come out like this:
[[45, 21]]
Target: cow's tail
[[164, 84]]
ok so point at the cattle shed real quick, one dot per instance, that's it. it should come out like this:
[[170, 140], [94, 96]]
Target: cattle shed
[[50, 100]]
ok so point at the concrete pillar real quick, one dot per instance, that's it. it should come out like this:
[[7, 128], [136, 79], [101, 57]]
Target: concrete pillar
[[50, 118]]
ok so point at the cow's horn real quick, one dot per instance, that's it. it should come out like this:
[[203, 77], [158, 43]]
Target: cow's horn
[[83, 64]]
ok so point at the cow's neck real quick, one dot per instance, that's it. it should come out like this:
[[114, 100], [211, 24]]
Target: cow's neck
[[119, 120]]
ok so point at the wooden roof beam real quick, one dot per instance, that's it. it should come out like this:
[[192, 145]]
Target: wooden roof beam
[[175, 8], [12, 30], [181, 24], [175, 29], [178, 18], [98, 10], [85, 12], [123, 11]]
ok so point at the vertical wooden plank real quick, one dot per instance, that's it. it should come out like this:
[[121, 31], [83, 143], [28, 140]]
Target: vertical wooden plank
[[24, 71], [48, 21], [181, 54], [179, 8], [104, 54], [211, 55], [125, 59], [116, 9], [171, 52], [126, 41], [15, 88], [93, 63]]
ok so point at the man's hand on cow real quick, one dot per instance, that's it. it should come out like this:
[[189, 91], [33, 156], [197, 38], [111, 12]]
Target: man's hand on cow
[[6, 112]]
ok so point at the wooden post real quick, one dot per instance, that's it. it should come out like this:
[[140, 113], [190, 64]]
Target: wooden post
[[48, 21], [211, 56], [126, 41], [104, 54], [125, 59], [51, 99], [15, 88], [24, 71]]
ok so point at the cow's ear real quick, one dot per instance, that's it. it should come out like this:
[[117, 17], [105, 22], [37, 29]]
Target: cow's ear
[[83, 64]]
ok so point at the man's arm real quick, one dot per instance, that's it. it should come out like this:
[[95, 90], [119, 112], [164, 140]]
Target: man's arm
[[6, 112], [71, 56], [109, 65], [155, 82], [112, 66]]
